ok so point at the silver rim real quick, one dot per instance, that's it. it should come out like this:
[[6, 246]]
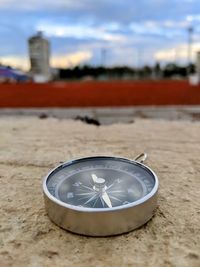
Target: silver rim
[[133, 204]]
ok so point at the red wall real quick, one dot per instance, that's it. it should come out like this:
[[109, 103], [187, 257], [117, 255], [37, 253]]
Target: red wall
[[83, 94]]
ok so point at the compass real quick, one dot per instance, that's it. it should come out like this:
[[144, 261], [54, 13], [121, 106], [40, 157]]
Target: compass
[[101, 195]]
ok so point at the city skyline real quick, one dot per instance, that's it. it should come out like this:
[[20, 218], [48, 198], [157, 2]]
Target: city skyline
[[133, 34]]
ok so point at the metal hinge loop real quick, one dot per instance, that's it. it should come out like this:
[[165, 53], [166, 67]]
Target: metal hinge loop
[[141, 158]]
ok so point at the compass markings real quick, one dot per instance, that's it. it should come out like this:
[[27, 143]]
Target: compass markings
[[111, 185], [116, 191], [70, 195], [86, 197], [116, 198], [95, 202], [86, 191], [118, 194], [102, 202], [87, 187], [79, 185], [82, 194], [90, 199]]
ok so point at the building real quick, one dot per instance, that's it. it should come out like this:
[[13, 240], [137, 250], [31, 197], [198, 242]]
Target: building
[[198, 65], [39, 53], [8, 74], [194, 79]]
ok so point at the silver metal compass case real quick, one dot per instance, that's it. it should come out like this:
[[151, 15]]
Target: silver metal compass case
[[106, 220]]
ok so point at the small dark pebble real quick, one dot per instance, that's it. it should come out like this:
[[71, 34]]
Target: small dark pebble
[[43, 116], [88, 120], [192, 255], [50, 254]]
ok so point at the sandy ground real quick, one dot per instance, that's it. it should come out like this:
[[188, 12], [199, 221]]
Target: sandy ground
[[30, 147], [109, 115]]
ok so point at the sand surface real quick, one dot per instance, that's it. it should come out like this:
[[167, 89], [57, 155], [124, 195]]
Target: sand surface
[[30, 147]]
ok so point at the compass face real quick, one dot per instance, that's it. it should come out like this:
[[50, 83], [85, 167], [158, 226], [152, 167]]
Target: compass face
[[100, 182]]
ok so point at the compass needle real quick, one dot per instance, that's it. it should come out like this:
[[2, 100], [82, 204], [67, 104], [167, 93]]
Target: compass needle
[[107, 199], [90, 195], [97, 180], [94, 178]]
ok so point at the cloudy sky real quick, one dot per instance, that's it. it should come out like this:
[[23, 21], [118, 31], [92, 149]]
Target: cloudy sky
[[128, 32]]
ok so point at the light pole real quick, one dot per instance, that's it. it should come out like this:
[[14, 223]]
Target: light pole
[[103, 56], [190, 33]]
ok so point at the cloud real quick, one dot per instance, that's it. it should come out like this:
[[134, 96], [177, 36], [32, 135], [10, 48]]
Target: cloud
[[16, 61], [177, 53], [61, 61], [78, 31], [112, 10], [38, 5], [70, 60], [121, 27]]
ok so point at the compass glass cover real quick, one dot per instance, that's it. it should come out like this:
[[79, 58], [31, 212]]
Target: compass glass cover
[[100, 182]]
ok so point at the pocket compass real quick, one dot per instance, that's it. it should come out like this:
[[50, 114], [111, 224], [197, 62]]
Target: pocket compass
[[101, 196]]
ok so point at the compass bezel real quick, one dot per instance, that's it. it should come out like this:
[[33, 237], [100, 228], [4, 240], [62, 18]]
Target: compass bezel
[[99, 210]]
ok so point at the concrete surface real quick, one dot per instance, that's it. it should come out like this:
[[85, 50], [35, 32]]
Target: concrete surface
[[30, 147], [111, 115]]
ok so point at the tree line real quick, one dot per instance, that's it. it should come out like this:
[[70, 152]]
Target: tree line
[[170, 70]]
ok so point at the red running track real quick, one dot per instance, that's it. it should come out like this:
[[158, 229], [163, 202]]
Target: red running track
[[99, 94]]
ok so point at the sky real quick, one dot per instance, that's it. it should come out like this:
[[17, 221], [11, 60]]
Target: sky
[[109, 32]]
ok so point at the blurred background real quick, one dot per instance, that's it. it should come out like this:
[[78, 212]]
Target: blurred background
[[100, 54]]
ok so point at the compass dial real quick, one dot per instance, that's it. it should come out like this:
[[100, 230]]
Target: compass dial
[[100, 182]]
